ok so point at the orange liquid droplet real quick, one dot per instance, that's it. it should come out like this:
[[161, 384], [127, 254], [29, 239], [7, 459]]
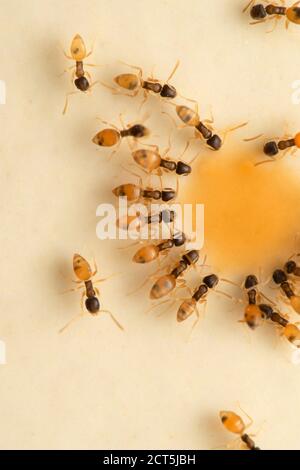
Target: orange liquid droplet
[[252, 214]]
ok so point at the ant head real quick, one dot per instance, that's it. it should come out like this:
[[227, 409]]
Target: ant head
[[214, 142], [167, 216], [211, 281], [279, 276], [271, 149], [92, 305], [258, 12], [183, 168], [290, 267], [168, 194], [179, 239], [82, 83], [168, 91], [138, 130], [251, 281]]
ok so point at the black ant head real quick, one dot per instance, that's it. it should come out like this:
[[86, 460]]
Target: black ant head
[[167, 216], [168, 91], [92, 305], [183, 169], [250, 281], [271, 149], [138, 131], [258, 12], [168, 194], [179, 239], [82, 83], [211, 281], [214, 142], [290, 267], [279, 276]]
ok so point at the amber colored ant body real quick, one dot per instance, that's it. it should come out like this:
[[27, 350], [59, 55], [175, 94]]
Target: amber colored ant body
[[149, 253], [140, 220], [84, 274], [78, 53], [135, 82], [234, 423], [275, 12], [167, 283], [135, 193], [189, 306], [289, 330], [280, 278]]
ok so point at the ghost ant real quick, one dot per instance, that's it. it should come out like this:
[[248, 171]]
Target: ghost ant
[[235, 424], [139, 220], [151, 252], [203, 129], [84, 274], [289, 330], [136, 193], [134, 83], [151, 161], [168, 282], [189, 306], [112, 136], [78, 53], [280, 278], [275, 12]]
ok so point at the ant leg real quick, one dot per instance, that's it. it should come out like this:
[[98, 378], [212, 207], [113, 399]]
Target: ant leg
[[246, 414], [67, 70], [76, 317], [113, 319], [64, 53], [106, 123], [276, 19], [249, 5], [232, 129], [250, 139], [173, 71], [97, 281], [67, 100], [135, 67], [91, 51]]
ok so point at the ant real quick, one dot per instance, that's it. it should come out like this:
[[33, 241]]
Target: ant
[[135, 82], [151, 160], [149, 253], [140, 220], [112, 136], [78, 53], [203, 129], [252, 315], [291, 267], [275, 12], [84, 274], [167, 283], [280, 278], [135, 193], [189, 306], [234, 423], [289, 330]]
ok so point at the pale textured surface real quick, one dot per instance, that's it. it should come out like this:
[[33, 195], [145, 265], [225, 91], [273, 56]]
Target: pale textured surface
[[94, 387]]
